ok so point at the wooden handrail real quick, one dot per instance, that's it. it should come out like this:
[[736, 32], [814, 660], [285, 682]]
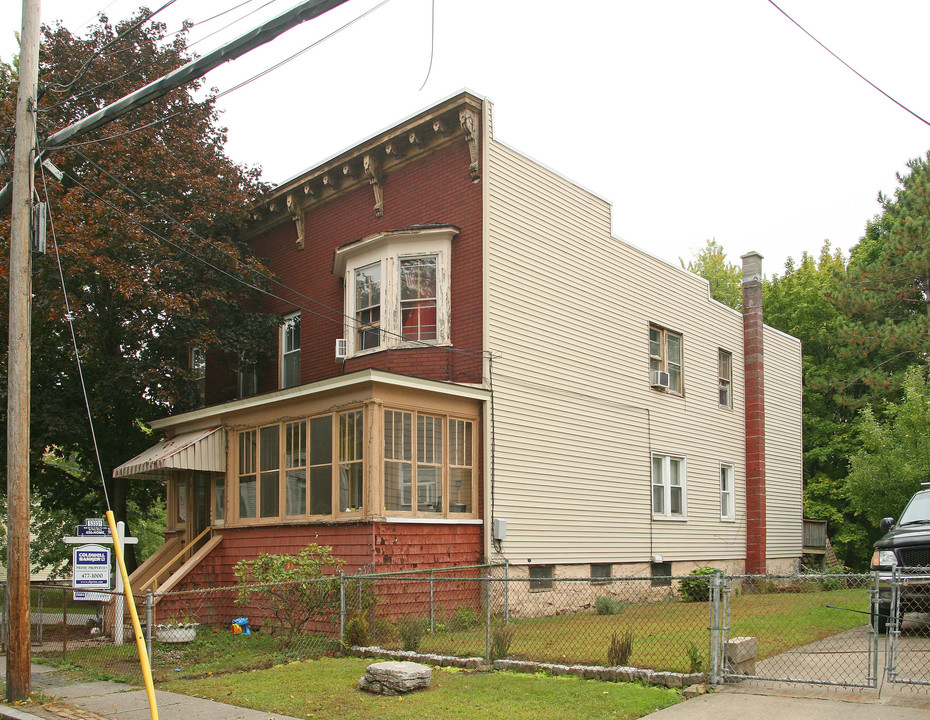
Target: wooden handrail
[[185, 551]]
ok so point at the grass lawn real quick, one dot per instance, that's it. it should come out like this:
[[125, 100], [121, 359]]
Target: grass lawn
[[328, 688]]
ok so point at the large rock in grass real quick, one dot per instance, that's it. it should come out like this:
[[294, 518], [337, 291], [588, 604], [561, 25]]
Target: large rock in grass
[[395, 678]]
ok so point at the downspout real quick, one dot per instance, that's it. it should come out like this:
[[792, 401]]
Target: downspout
[[754, 379]]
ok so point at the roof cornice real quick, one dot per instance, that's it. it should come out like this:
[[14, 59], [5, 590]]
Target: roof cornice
[[371, 161]]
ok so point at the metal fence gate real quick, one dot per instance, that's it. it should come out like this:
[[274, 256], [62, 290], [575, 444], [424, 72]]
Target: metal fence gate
[[908, 635], [846, 653]]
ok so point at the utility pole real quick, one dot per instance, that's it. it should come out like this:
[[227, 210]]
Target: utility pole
[[19, 646]]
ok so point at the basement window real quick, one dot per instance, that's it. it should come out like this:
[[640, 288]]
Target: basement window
[[541, 577]]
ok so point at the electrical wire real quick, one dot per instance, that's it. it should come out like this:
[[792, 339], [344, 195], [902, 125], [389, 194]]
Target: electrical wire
[[432, 45], [142, 68], [239, 86], [847, 65], [69, 316], [80, 73]]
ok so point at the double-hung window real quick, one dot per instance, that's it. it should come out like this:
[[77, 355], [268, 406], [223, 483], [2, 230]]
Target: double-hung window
[[368, 307], [668, 487], [665, 356], [725, 378], [398, 289], [727, 511], [290, 351], [418, 298]]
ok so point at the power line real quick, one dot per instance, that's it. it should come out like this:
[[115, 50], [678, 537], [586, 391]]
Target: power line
[[848, 66], [135, 26]]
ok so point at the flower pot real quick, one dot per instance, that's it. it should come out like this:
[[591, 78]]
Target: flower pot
[[183, 633]]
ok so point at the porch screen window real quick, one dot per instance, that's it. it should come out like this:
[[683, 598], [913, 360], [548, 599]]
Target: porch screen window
[[295, 468], [429, 463], [398, 460], [461, 466], [321, 465], [247, 504], [418, 298], [270, 464], [351, 433], [219, 499], [368, 306], [290, 351]]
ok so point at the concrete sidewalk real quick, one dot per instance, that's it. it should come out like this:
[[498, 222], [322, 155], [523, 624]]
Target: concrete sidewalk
[[104, 700], [746, 701]]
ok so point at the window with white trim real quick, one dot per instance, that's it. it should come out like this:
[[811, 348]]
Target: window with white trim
[[397, 289], [727, 503], [368, 307], [725, 378], [290, 351], [665, 355], [668, 487]]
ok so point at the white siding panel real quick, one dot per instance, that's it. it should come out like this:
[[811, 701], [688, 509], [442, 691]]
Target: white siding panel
[[568, 311], [783, 445]]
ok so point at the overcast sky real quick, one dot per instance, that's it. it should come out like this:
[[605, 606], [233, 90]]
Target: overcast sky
[[696, 120]]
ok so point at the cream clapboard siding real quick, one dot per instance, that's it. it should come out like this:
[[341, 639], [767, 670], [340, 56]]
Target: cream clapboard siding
[[783, 445], [568, 310]]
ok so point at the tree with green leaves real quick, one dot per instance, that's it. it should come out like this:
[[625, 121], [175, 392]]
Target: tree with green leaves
[[145, 226], [886, 299], [798, 302], [894, 456], [725, 278]]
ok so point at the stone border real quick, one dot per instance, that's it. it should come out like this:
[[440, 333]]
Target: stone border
[[591, 672]]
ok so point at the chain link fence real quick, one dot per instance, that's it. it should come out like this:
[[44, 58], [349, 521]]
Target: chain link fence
[[908, 626], [801, 628]]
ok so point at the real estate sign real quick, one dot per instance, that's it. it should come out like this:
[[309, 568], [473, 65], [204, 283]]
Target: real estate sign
[[90, 566]]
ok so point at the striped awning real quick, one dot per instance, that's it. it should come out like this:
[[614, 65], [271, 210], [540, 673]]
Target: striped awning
[[203, 450]]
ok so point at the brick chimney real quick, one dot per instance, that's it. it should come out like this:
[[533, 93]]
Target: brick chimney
[[755, 413]]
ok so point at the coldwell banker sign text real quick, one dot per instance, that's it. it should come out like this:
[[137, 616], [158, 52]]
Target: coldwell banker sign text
[[91, 571]]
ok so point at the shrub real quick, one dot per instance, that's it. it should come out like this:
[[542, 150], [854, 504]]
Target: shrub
[[833, 579], [620, 649], [411, 631], [695, 659], [292, 589], [500, 642], [357, 631], [464, 618], [696, 588], [606, 605]]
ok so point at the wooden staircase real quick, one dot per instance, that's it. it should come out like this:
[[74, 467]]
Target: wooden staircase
[[168, 565]]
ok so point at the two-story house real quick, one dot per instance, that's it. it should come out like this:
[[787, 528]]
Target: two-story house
[[471, 368]]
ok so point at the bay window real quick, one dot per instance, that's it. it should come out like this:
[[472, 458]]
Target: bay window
[[397, 288]]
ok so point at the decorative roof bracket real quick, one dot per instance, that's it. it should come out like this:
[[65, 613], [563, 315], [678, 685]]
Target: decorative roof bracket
[[374, 178], [295, 211], [469, 121]]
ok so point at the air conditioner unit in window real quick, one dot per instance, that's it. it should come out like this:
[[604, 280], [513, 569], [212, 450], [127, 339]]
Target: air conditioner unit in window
[[341, 349], [659, 379]]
